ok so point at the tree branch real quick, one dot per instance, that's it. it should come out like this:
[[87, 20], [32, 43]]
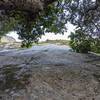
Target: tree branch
[[30, 6], [97, 4]]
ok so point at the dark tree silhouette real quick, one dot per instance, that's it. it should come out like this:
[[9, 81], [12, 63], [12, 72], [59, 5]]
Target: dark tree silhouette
[[32, 18]]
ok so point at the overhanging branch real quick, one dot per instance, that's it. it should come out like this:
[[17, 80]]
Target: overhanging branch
[[32, 7]]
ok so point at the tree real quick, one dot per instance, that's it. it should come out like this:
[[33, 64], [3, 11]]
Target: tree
[[32, 18], [84, 14], [80, 42], [31, 24]]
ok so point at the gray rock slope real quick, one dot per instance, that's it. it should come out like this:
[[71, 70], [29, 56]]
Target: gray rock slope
[[49, 73]]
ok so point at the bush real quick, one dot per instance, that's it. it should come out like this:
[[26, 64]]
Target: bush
[[95, 46], [26, 44], [80, 42]]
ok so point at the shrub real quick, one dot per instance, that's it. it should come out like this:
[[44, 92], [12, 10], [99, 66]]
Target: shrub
[[95, 46], [80, 42]]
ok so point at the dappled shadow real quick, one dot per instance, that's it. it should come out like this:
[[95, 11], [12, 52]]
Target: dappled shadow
[[14, 78]]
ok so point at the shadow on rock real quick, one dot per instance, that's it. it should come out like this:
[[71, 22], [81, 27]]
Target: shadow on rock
[[14, 78]]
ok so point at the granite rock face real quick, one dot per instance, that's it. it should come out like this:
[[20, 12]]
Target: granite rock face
[[49, 73], [7, 42], [7, 39]]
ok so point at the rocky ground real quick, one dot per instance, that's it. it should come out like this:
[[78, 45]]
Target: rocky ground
[[49, 72], [10, 45]]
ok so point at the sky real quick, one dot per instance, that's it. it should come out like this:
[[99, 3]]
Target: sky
[[50, 36]]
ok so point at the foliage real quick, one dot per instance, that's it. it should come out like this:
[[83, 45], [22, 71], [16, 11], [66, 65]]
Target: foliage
[[84, 14], [80, 42], [30, 30], [53, 18], [95, 46]]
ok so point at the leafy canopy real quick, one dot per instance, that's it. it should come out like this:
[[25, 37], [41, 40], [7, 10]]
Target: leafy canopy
[[53, 18], [80, 42]]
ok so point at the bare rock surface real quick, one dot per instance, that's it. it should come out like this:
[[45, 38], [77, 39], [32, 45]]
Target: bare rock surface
[[49, 72]]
